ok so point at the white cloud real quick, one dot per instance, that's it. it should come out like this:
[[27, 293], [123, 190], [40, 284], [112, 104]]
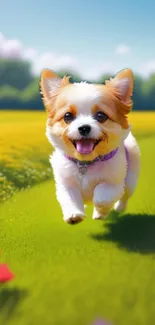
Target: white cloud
[[10, 48], [55, 62], [15, 49], [122, 49], [29, 54], [148, 67], [1, 38]]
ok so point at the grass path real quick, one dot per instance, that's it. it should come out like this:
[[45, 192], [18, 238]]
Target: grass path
[[71, 275]]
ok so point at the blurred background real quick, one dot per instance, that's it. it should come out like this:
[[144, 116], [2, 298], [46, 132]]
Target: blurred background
[[90, 41]]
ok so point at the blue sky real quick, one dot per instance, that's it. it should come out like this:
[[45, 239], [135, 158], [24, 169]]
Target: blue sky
[[89, 36]]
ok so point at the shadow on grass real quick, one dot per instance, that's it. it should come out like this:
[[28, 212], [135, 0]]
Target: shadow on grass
[[10, 298], [133, 232]]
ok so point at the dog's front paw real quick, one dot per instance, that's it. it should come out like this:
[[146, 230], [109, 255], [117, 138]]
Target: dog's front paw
[[99, 215], [74, 218], [120, 205]]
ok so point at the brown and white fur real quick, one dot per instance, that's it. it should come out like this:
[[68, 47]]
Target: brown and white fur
[[103, 184]]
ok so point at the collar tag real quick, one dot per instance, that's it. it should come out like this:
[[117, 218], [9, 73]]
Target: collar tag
[[83, 169]]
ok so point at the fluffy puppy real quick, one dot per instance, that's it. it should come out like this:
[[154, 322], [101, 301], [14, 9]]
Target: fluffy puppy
[[96, 158]]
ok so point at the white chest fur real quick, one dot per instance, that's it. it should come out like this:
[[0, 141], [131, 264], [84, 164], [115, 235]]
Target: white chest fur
[[66, 172]]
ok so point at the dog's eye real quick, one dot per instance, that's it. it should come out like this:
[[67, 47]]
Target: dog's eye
[[100, 117], [69, 117]]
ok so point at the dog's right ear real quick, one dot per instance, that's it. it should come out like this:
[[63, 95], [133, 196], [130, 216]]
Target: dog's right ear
[[50, 86], [122, 85]]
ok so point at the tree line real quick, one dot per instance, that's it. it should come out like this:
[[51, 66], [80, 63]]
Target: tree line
[[19, 89]]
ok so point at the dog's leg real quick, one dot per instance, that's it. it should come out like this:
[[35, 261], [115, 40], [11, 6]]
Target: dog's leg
[[121, 205], [101, 212], [132, 175], [105, 195], [71, 204]]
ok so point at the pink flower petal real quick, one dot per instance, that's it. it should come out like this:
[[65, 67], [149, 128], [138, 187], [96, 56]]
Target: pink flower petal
[[5, 274]]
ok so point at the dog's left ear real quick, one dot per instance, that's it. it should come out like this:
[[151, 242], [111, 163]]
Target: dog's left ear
[[50, 86], [122, 85]]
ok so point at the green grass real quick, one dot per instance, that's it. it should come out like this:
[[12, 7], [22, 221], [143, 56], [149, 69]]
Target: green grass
[[75, 274], [24, 151]]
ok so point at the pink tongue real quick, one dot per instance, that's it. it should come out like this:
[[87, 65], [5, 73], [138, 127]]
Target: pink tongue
[[85, 146]]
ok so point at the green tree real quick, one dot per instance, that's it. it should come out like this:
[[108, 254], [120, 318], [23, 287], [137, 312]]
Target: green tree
[[138, 94], [15, 73], [9, 92], [10, 98], [149, 92], [32, 91], [105, 77], [31, 97]]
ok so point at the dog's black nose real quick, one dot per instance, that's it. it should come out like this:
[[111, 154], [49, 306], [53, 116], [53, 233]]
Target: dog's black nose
[[84, 129]]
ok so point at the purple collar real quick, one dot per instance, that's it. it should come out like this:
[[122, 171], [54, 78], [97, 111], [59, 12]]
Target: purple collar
[[127, 162], [83, 165]]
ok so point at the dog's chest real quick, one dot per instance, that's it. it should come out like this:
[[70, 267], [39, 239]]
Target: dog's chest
[[94, 175], [68, 173], [87, 184]]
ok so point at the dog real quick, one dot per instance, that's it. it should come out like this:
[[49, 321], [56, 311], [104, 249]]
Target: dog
[[96, 157]]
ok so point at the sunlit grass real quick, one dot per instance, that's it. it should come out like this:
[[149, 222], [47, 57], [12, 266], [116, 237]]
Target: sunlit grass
[[22, 134], [24, 154], [143, 123]]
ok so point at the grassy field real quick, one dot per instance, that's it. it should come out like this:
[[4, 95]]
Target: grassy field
[[24, 149], [74, 275]]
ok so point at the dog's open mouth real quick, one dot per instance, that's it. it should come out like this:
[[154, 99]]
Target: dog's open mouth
[[85, 145]]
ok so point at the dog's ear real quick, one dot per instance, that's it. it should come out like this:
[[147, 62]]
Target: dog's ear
[[122, 85], [50, 86]]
